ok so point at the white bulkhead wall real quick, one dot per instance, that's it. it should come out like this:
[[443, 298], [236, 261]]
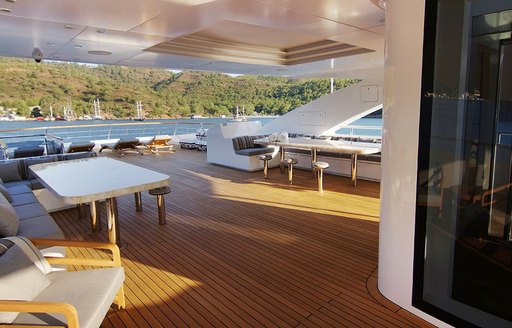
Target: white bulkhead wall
[[401, 113]]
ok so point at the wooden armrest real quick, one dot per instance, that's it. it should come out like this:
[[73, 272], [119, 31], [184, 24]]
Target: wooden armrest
[[116, 255], [65, 309]]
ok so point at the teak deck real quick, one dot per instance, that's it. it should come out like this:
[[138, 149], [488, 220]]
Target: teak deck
[[241, 251]]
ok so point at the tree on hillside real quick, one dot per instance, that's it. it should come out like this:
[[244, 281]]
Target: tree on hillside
[[163, 93]]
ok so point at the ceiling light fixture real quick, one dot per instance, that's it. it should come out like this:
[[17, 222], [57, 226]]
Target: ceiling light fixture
[[78, 46], [101, 31], [69, 27], [99, 52], [6, 10], [11, 1]]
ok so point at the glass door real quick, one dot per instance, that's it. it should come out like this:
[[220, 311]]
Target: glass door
[[499, 196]]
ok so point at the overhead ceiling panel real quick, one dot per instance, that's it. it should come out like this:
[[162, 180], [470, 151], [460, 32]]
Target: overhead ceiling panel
[[80, 51], [23, 35], [356, 13], [120, 38], [120, 15], [182, 20], [166, 61]]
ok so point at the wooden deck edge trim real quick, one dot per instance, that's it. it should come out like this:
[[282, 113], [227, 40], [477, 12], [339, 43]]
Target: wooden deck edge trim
[[373, 290]]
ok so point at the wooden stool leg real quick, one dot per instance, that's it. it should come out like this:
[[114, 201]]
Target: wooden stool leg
[[265, 168], [160, 202], [320, 178], [290, 173]]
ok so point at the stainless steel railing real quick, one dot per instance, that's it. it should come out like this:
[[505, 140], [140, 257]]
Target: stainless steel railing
[[88, 132]]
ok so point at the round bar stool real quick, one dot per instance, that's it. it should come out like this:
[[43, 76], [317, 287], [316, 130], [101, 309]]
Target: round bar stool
[[290, 162], [265, 159], [319, 168], [160, 202]]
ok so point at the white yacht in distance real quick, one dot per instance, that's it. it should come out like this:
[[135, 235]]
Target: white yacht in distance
[[140, 112], [439, 69], [97, 110]]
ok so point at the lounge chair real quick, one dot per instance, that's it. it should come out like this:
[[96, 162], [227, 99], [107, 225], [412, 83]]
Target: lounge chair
[[123, 145], [33, 294], [159, 143], [80, 147]]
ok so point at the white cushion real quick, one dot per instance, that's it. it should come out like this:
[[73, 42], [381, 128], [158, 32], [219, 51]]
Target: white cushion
[[20, 279], [91, 292], [9, 221]]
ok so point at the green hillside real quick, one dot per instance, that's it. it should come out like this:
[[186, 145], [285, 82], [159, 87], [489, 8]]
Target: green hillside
[[164, 94]]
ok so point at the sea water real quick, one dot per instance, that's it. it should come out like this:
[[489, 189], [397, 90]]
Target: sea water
[[108, 129]]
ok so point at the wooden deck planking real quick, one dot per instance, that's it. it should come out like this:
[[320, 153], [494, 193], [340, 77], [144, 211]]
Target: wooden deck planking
[[242, 251]]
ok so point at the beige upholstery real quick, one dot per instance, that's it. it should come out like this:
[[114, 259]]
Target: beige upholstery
[[73, 299], [8, 219]]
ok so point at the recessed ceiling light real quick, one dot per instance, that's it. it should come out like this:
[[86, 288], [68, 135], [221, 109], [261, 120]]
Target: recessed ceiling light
[[11, 1], [99, 52], [6, 10], [78, 46], [69, 27], [100, 31]]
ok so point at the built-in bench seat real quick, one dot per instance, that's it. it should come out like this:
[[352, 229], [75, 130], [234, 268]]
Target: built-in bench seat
[[21, 213], [245, 146], [364, 139]]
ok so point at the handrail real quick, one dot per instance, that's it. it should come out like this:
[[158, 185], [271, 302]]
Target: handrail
[[88, 132], [105, 125]]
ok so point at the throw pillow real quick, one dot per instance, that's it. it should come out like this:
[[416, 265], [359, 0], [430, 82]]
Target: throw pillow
[[9, 221], [6, 193]]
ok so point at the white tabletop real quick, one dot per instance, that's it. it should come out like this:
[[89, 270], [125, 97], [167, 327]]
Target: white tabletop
[[86, 180], [340, 146]]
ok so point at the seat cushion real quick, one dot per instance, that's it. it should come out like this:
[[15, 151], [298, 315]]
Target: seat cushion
[[17, 183], [18, 189], [36, 160], [9, 171], [20, 278], [254, 151], [31, 210], [40, 227], [91, 292], [23, 199], [9, 221]]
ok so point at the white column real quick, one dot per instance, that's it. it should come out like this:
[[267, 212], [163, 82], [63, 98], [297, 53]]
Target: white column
[[402, 91]]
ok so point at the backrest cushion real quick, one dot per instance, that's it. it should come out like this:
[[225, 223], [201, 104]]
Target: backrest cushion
[[245, 142], [79, 155], [6, 193], [9, 221], [36, 160], [20, 278], [9, 171]]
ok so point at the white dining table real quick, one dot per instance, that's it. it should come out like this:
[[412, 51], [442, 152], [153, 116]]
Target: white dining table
[[314, 145], [88, 180]]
